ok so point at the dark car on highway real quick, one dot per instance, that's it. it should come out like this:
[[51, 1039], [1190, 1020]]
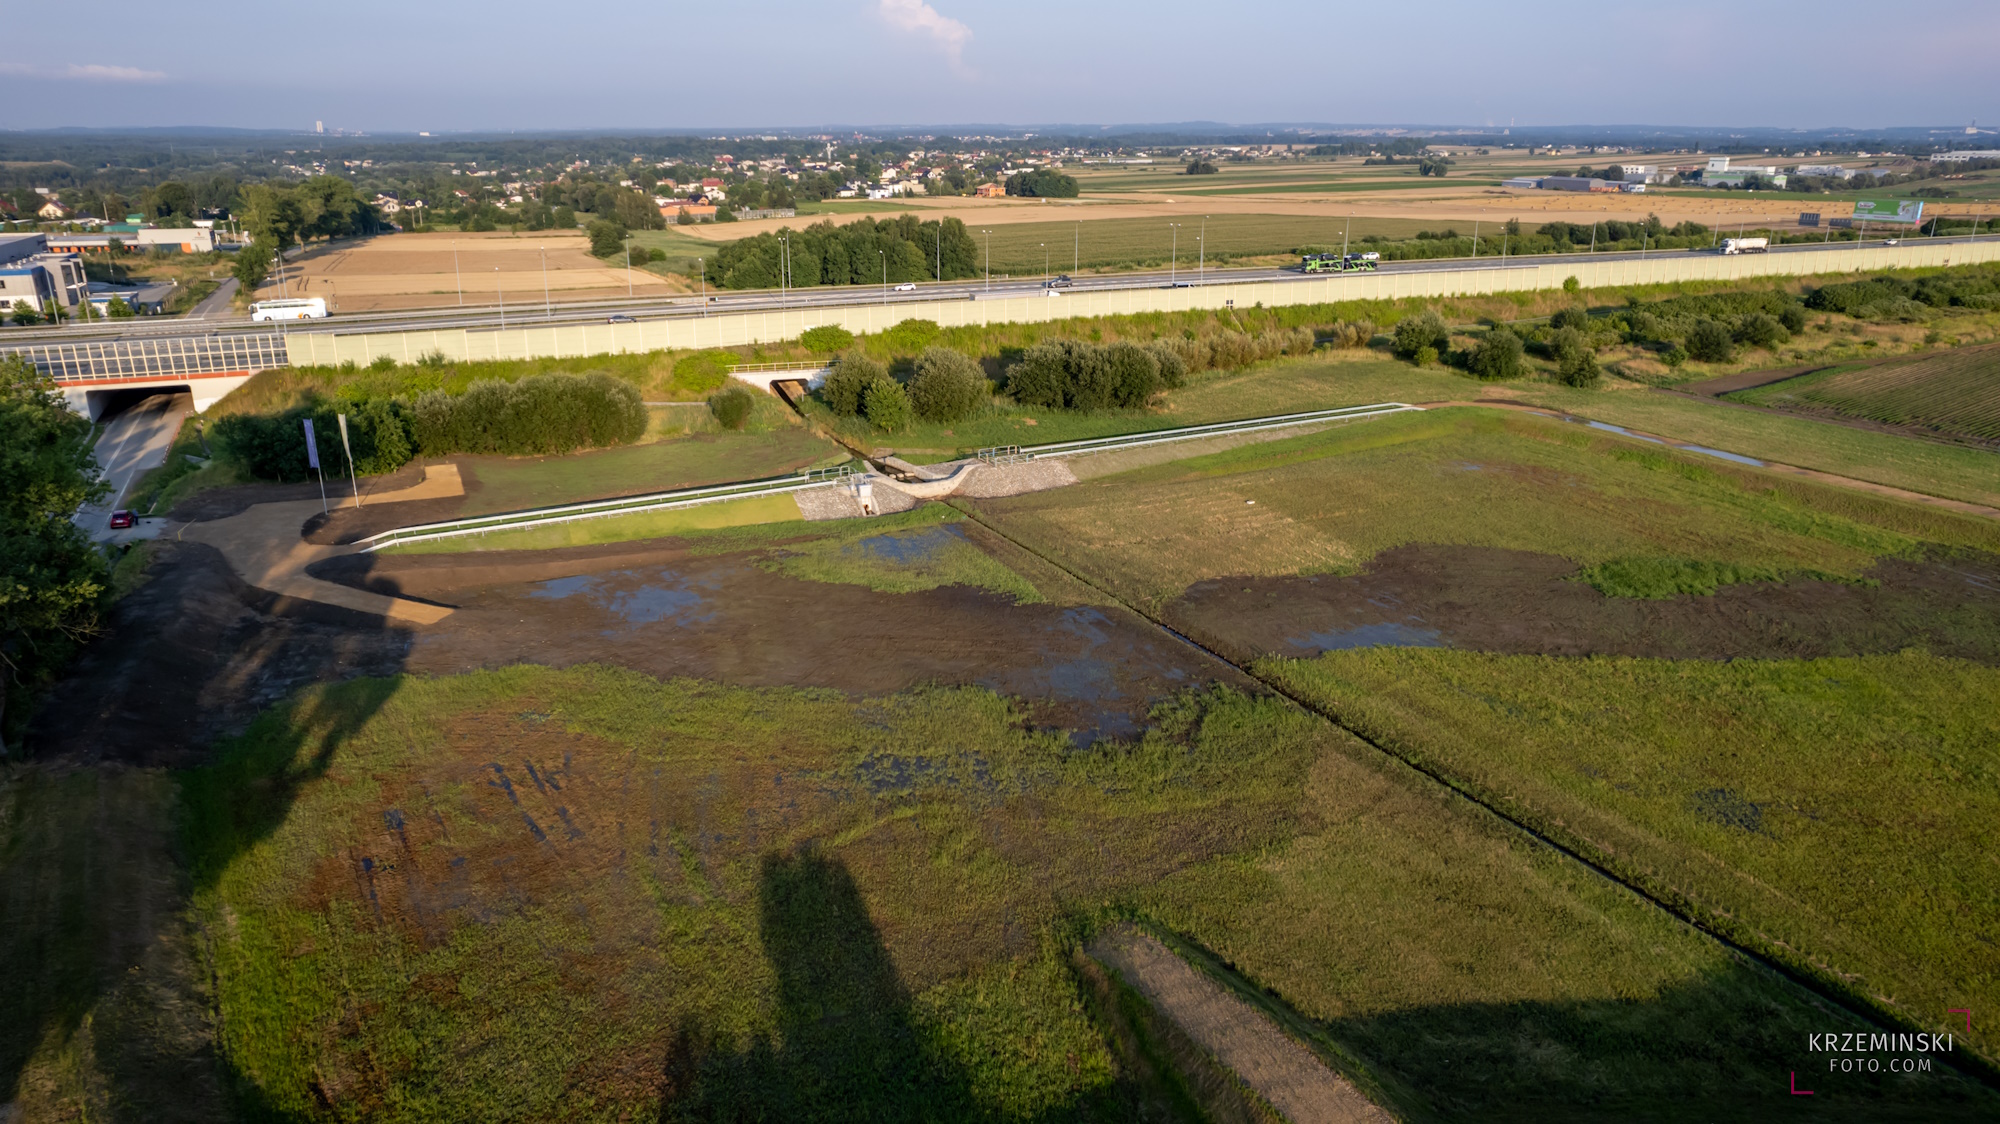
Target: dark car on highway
[[1062, 282], [121, 520]]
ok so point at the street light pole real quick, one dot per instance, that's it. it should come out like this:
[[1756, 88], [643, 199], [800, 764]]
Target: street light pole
[[1076, 249], [1201, 252], [885, 275], [548, 310], [1475, 239], [503, 296], [1173, 255], [456, 275], [628, 269], [704, 287], [989, 259]]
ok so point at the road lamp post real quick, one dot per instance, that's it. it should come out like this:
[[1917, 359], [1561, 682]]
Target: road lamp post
[[456, 275], [1173, 255], [1045, 265], [628, 269], [1076, 249], [1201, 253], [1475, 239], [704, 287], [497, 287], [989, 259], [885, 275], [548, 309], [1349, 229]]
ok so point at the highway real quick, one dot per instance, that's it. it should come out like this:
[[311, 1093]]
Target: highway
[[721, 302], [135, 439]]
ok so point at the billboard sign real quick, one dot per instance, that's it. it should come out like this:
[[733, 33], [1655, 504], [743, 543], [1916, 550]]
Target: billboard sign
[[1889, 210]]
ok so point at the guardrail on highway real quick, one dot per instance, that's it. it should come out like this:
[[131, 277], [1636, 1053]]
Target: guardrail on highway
[[1215, 429]]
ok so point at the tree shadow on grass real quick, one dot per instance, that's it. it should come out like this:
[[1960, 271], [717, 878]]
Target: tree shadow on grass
[[1724, 1045], [99, 858], [846, 1047]]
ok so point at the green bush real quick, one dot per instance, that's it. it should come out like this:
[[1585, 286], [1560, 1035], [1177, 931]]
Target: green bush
[[1793, 318], [948, 385], [732, 408], [1570, 318], [1579, 368], [888, 406], [911, 335], [607, 239], [540, 414], [704, 372], [273, 446], [828, 339], [1760, 329], [1173, 368], [846, 387], [1425, 329], [1674, 356], [1710, 342], [1077, 375], [1498, 356], [1425, 356]]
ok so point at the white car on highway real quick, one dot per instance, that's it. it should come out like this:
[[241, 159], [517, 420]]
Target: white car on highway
[[907, 287]]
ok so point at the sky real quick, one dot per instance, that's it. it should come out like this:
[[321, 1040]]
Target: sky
[[502, 64]]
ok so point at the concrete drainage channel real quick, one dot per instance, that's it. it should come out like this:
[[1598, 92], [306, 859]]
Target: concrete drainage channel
[[935, 487]]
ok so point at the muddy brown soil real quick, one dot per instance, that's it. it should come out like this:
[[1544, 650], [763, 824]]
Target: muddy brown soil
[[195, 654], [1516, 602], [1091, 669]]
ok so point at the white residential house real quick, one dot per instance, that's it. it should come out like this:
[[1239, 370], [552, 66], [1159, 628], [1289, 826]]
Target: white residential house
[[53, 209]]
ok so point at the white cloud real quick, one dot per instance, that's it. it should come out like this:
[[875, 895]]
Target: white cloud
[[918, 16], [95, 72], [83, 72]]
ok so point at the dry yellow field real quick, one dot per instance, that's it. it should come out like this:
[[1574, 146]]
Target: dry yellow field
[[417, 271]]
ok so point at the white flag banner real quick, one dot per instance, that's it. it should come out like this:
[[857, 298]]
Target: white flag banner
[[344, 446], [312, 446]]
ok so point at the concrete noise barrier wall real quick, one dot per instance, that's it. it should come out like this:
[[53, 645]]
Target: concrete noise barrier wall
[[735, 329]]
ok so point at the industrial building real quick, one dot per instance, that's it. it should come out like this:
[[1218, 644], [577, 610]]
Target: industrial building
[[188, 240], [30, 274]]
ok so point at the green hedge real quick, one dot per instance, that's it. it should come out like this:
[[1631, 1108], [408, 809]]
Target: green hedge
[[540, 414]]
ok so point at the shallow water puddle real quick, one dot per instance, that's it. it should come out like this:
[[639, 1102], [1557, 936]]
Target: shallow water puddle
[[1388, 634], [670, 597]]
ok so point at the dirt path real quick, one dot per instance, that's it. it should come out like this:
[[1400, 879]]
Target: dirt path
[[264, 547], [1284, 1073]]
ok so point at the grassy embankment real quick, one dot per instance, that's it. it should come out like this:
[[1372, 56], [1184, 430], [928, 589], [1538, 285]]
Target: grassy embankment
[[1952, 394], [1632, 515], [1825, 812], [863, 905]]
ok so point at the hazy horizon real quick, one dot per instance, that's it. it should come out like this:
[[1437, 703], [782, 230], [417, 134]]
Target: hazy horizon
[[457, 67]]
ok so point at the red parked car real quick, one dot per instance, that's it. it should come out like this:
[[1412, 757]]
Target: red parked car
[[121, 520]]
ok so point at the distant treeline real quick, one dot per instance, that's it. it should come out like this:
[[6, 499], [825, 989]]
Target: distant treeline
[[865, 252]]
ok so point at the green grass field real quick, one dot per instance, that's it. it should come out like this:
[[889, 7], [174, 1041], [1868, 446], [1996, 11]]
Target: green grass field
[[1330, 501], [1831, 813], [518, 483], [857, 913], [1953, 393], [754, 511]]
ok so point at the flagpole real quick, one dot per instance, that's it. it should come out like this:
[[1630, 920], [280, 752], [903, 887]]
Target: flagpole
[[352, 475], [312, 461]]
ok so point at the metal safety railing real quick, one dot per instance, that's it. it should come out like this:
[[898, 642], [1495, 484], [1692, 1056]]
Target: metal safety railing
[[154, 358], [1214, 429]]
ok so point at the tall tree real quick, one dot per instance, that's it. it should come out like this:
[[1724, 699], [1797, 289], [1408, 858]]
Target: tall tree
[[52, 579]]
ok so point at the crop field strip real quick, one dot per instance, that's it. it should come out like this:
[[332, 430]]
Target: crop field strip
[[1827, 984], [1952, 393]]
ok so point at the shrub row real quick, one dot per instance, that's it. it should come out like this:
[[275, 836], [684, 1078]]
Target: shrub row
[[1079, 375], [540, 414], [1900, 298]]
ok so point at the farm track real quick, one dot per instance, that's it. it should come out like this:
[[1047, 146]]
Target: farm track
[[1824, 985]]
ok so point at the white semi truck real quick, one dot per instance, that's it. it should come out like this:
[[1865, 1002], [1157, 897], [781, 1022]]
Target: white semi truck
[[1746, 245]]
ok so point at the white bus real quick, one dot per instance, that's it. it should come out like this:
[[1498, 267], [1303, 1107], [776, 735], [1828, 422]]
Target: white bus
[[306, 308]]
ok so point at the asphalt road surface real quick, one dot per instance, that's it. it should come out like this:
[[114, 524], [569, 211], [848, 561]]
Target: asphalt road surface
[[715, 303], [135, 439]]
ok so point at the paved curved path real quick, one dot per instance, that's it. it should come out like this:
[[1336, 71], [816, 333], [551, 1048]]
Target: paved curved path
[[265, 548]]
